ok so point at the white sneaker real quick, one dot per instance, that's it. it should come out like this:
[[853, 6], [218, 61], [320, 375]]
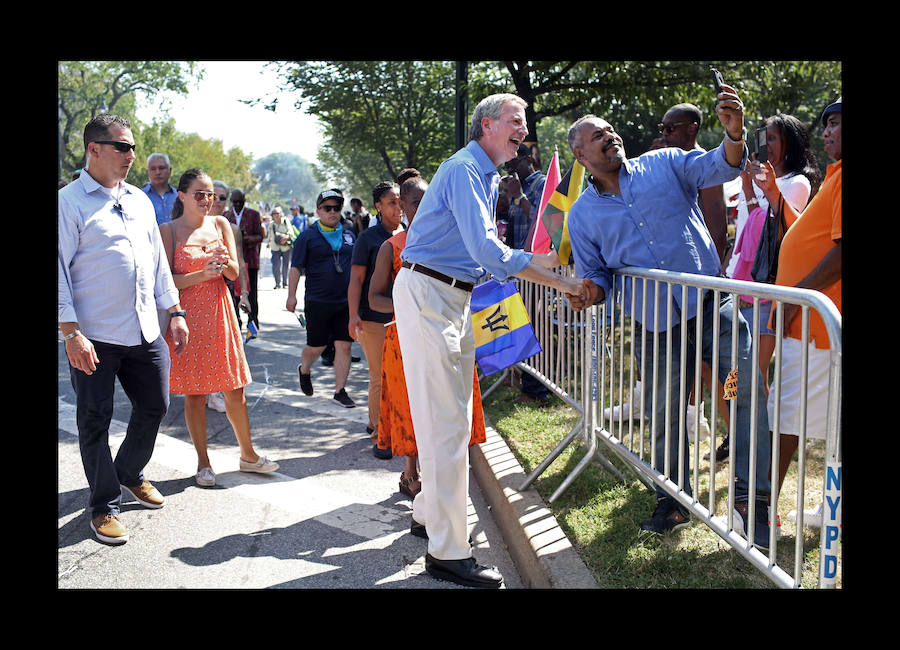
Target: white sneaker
[[263, 465], [206, 477], [216, 401], [811, 518], [704, 423], [630, 410]]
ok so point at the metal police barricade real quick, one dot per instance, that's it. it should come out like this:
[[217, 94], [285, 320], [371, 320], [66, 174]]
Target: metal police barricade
[[563, 335], [610, 329]]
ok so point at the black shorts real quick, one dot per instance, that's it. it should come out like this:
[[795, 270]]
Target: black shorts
[[326, 321]]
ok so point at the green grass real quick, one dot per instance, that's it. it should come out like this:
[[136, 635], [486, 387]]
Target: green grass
[[601, 516]]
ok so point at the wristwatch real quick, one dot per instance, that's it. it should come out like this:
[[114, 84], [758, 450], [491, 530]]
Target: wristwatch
[[742, 138], [181, 313], [71, 335]]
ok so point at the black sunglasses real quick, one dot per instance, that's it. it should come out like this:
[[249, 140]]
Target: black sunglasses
[[668, 128], [331, 208], [222, 197], [120, 146]]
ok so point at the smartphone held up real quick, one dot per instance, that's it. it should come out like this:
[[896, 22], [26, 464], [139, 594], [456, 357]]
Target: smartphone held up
[[762, 150], [717, 80]]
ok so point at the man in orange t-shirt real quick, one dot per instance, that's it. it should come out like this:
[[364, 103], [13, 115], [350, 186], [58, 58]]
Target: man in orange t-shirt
[[810, 258]]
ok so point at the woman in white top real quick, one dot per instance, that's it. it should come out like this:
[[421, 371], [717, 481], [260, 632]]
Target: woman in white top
[[797, 177], [796, 172]]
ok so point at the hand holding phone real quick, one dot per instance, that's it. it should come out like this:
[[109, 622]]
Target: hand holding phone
[[717, 81], [729, 108]]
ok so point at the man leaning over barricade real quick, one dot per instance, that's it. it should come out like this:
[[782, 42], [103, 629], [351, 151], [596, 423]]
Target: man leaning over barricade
[[643, 212]]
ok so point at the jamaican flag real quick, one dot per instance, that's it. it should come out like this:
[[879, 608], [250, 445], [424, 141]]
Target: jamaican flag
[[556, 213]]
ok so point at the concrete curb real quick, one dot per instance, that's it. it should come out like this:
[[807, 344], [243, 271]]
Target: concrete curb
[[537, 545]]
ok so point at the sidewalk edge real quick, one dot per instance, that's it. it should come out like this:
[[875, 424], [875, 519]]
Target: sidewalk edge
[[537, 545]]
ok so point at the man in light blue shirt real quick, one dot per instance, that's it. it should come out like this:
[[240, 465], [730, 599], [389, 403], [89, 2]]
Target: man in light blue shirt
[[450, 245], [643, 212], [113, 276], [162, 195]]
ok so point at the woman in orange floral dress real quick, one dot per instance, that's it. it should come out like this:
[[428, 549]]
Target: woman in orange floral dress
[[395, 428], [201, 250]]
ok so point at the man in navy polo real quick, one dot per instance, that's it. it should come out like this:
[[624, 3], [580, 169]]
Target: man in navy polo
[[323, 253]]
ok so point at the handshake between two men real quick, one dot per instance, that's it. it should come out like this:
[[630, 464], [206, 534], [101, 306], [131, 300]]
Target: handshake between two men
[[579, 293]]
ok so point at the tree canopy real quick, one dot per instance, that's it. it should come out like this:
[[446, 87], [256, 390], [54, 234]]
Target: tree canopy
[[87, 88], [286, 179], [381, 116]]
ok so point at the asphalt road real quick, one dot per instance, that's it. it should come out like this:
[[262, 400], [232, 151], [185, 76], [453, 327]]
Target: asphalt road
[[331, 517]]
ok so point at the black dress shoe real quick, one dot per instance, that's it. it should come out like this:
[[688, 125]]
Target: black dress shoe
[[721, 452], [418, 529], [463, 572]]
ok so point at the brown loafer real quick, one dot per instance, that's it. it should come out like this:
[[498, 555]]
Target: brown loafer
[[109, 529], [145, 494]]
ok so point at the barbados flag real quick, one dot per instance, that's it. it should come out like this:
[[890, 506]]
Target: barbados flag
[[252, 332], [503, 333], [555, 216]]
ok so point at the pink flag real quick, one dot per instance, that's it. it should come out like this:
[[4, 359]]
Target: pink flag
[[539, 239]]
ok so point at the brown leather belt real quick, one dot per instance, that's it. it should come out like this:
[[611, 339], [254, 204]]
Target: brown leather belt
[[437, 275]]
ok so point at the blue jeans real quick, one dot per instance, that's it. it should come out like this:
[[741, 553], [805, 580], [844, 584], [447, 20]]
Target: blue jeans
[[723, 367], [143, 372]]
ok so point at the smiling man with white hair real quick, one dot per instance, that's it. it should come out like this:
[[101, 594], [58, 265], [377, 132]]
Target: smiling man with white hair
[[451, 244]]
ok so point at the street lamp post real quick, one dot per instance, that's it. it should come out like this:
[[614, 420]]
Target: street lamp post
[[462, 102]]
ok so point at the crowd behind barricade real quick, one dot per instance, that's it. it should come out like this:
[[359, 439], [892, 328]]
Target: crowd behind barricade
[[398, 280]]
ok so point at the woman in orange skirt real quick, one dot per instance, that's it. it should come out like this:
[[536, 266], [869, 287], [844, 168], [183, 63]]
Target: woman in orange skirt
[[395, 428]]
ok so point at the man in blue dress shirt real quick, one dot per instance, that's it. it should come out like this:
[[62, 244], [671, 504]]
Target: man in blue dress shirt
[[161, 194], [643, 212], [113, 276], [451, 244]]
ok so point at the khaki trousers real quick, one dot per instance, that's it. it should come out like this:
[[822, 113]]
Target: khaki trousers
[[434, 325]]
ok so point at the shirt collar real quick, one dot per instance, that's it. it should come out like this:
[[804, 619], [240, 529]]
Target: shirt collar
[[481, 157], [169, 188], [90, 184]]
